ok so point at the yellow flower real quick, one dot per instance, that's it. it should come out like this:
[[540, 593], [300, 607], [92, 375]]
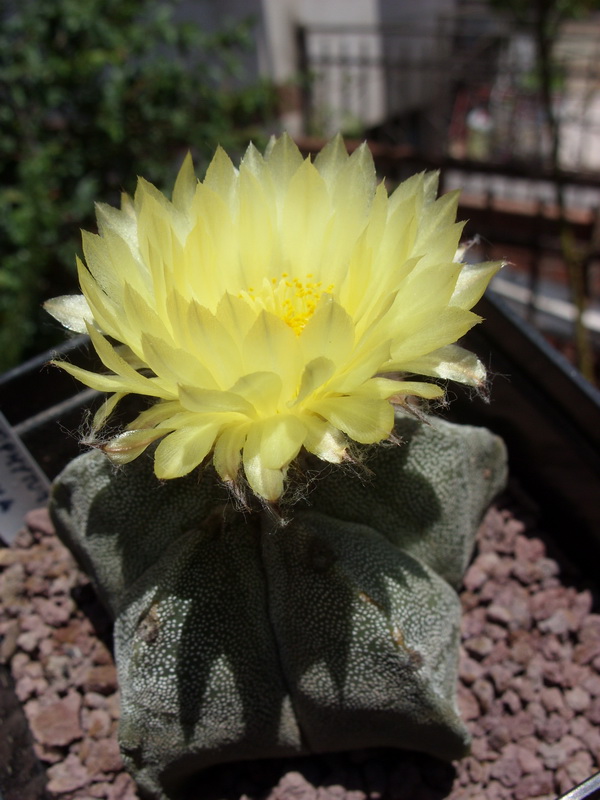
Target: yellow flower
[[264, 307]]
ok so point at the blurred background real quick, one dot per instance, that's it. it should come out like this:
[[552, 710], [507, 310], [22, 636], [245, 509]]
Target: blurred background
[[502, 96]]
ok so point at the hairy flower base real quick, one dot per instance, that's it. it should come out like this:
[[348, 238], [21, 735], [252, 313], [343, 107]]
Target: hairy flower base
[[271, 308]]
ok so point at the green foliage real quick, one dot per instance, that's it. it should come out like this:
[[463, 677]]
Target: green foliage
[[92, 94]]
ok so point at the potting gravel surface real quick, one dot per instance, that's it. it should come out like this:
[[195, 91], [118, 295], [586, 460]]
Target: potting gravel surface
[[529, 687]]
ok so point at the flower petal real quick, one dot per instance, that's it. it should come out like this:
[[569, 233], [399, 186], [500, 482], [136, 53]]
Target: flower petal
[[113, 361], [104, 412], [271, 346], [281, 438], [155, 415], [261, 389], [332, 159], [450, 325], [472, 283], [364, 419], [329, 333], [72, 311], [264, 482], [212, 400], [324, 439], [452, 363], [284, 160], [175, 363], [386, 389], [316, 373], [185, 186], [130, 444], [183, 450], [102, 383], [221, 176], [227, 456]]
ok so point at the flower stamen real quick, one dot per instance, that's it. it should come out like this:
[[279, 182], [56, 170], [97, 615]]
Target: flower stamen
[[292, 299]]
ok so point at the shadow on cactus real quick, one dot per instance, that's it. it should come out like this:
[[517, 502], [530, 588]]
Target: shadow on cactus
[[280, 534]]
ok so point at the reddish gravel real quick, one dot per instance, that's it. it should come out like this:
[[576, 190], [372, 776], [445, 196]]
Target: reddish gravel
[[529, 690]]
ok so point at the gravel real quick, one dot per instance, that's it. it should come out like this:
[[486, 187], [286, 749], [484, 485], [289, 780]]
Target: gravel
[[529, 687]]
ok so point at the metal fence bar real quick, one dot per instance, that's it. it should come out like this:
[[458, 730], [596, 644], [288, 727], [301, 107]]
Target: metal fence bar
[[443, 89]]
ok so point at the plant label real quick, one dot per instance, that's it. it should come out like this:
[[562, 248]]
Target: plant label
[[23, 485]]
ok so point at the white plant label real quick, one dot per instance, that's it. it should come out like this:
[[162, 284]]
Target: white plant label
[[23, 485]]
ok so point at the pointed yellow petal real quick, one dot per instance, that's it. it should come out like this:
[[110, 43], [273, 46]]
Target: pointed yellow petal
[[175, 364], [261, 389], [221, 176], [100, 264], [271, 346], [104, 412], [324, 439], [364, 419], [450, 325], [316, 373], [441, 215], [264, 482], [385, 389], [133, 379], [198, 419], [211, 250], [258, 244], [104, 311], [121, 222], [281, 438], [236, 315], [147, 192], [142, 318], [210, 401], [129, 445], [411, 190], [218, 350], [305, 214], [183, 450], [366, 363], [426, 289], [429, 391], [227, 456], [185, 186], [472, 283], [329, 333], [355, 184], [72, 311], [154, 415], [102, 383], [256, 164], [332, 159], [283, 159], [452, 363]]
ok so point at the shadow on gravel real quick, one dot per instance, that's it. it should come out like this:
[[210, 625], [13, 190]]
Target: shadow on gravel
[[21, 774]]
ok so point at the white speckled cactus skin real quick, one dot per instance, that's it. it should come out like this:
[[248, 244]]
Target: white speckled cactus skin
[[237, 638]]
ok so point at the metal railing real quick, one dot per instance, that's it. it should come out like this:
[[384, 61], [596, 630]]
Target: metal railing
[[461, 87]]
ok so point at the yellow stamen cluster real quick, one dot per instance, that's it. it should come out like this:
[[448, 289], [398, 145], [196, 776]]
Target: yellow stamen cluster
[[300, 307], [291, 299]]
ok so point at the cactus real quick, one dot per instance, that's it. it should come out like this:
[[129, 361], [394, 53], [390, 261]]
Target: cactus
[[237, 637]]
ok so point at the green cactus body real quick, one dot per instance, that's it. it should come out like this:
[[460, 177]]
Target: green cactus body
[[238, 638]]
